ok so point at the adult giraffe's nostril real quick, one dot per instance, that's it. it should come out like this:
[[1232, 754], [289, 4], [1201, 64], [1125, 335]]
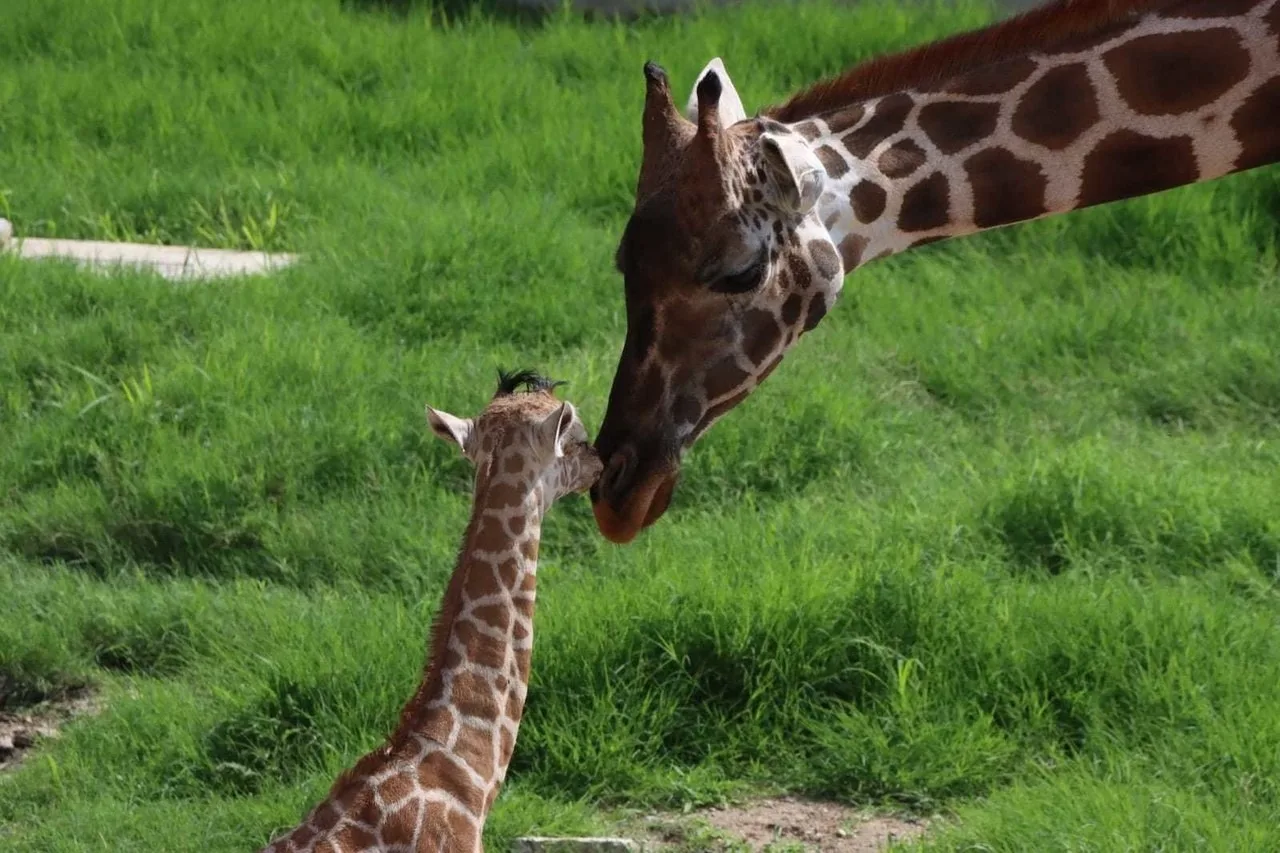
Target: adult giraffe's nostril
[[618, 473]]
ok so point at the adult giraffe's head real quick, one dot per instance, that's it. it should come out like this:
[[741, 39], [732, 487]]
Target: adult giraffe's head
[[725, 264]]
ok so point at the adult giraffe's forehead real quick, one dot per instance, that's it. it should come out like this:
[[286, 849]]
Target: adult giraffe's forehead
[[654, 247], [655, 223]]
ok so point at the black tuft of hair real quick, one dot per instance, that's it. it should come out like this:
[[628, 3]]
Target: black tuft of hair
[[510, 382]]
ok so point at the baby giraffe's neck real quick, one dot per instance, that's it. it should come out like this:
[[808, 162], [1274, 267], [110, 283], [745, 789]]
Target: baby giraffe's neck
[[432, 784]]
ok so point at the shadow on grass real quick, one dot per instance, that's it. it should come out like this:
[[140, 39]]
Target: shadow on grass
[[1059, 518], [530, 12], [141, 643], [22, 687], [449, 9], [274, 739]]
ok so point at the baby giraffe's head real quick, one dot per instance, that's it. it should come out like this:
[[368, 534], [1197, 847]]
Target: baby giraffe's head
[[526, 439]]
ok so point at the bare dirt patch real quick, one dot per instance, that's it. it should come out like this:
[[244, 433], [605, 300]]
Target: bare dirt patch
[[781, 824], [20, 731]]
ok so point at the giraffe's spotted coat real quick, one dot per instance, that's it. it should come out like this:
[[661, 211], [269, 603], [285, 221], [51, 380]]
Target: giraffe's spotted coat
[[1181, 95], [431, 786], [1057, 108], [1083, 102]]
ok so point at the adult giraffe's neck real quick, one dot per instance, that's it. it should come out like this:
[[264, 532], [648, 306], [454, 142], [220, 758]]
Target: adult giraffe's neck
[[1180, 95]]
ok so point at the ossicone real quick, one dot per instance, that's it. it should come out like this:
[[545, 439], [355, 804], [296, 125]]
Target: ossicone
[[654, 74]]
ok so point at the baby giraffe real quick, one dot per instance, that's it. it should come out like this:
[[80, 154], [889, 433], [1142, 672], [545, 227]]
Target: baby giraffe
[[430, 786]]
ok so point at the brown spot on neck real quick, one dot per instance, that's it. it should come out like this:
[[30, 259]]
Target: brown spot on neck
[[808, 130], [1171, 73], [482, 649], [473, 697], [797, 272], [1005, 188], [496, 616], [825, 260], [475, 747], [1057, 108], [841, 120], [439, 771], [832, 160], [955, 125], [460, 832], [890, 116], [868, 201], [901, 159], [394, 789], [926, 205], [399, 825], [851, 249], [357, 838], [1127, 164]]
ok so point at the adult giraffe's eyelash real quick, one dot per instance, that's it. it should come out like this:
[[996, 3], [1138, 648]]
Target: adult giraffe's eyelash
[[741, 282]]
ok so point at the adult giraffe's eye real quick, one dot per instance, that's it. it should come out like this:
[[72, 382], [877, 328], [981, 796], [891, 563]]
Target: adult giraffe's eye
[[743, 281]]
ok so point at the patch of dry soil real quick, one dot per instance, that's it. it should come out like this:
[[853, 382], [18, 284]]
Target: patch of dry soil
[[21, 730], [791, 823]]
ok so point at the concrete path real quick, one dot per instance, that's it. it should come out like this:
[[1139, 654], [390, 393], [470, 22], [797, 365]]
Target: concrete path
[[172, 262]]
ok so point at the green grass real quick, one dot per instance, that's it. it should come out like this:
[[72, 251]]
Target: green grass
[[1002, 538]]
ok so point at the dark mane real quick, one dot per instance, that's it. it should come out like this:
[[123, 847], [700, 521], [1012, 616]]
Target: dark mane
[[1036, 29], [509, 383]]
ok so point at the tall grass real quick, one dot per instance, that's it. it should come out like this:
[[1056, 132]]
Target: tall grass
[[1001, 539]]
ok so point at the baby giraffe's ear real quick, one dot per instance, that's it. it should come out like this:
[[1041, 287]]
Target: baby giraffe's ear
[[450, 427], [554, 428]]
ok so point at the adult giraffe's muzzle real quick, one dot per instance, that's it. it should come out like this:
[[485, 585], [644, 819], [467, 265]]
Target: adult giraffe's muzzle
[[633, 491]]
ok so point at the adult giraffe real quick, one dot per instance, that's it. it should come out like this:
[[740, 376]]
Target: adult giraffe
[[744, 228]]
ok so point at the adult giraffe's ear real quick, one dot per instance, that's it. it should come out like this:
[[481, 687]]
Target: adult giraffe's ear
[[450, 427], [554, 428], [797, 173], [730, 109]]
